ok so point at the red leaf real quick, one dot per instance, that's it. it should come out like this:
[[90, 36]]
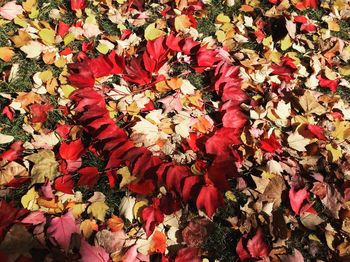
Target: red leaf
[[241, 251], [175, 175], [155, 55], [8, 214], [222, 140], [88, 177], [234, 118], [71, 151], [317, 131], [92, 253], [135, 73], [63, 28], [101, 66], [257, 246], [209, 199], [220, 170], [76, 5], [191, 187], [297, 199], [330, 84], [8, 112], [152, 216], [39, 112], [206, 57], [188, 254], [81, 75], [13, 152], [64, 184], [61, 229], [143, 187], [270, 144]]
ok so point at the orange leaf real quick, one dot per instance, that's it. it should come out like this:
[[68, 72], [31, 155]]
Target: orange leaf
[[158, 244], [115, 223], [6, 53]]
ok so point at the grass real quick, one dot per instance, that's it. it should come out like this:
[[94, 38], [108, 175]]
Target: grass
[[14, 128]]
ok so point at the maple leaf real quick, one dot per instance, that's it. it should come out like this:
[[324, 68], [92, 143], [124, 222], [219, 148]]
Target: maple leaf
[[209, 199], [88, 177], [222, 140], [172, 102], [297, 199], [28, 98], [188, 254], [39, 112], [270, 144], [298, 142], [45, 166], [155, 55], [9, 171], [135, 73], [64, 184], [10, 10], [92, 253], [71, 151], [81, 75], [17, 241], [256, 246], [273, 191], [76, 5], [158, 242], [98, 210], [13, 152], [115, 223], [34, 218], [6, 53], [60, 230], [152, 216], [310, 105], [8, 214], [234, 118]]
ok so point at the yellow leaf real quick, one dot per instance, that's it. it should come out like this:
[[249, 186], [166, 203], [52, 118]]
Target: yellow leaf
[[68, 38], [286, 43], [342, 130], [102, 48], [78, 209], [151, 32], [98, 210], [28, 5], [45, 166], [126, 176], [334, 152], [310, 105], [344, 70], [87, 227], [333, 26], [220, 35], [267, 41], [21, 39], [29, 200], [48, 36], [10, 171], [138, 207], [67, 90], [6, 53], [221, 18], [46, 76]]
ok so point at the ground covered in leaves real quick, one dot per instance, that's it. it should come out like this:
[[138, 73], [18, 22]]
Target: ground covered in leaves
[[178, 131]]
